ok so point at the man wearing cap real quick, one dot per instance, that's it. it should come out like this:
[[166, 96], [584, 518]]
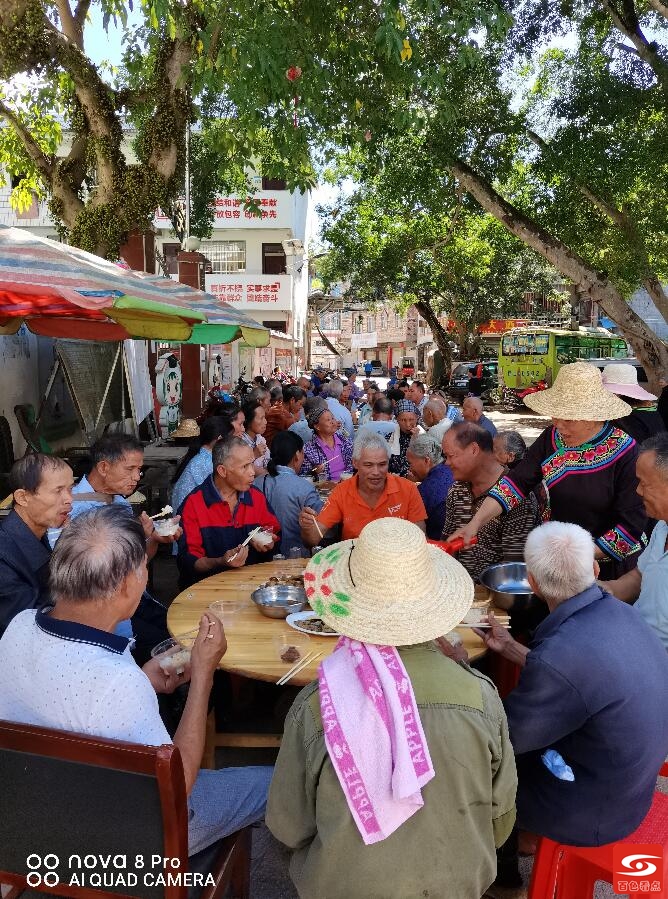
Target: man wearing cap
[[395, 776], [370, 494], [407, 415], [621, 379]]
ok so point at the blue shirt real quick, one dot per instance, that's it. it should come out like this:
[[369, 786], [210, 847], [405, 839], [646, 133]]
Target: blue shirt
[[195, 473], [433, 491], [302, 429], [24, 569], [595, 689], [488, 425], [287, 494]]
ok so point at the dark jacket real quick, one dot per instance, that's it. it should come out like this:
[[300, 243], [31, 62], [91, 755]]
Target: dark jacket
[[641, 424], [595, 689], [24, 569]]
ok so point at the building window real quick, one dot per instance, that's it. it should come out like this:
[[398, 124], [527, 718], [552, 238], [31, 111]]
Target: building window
[[273, 259], [357, 325], [383, 321], [370, 324], [398, 320], [226, 256], [331, 321], [273, 183]]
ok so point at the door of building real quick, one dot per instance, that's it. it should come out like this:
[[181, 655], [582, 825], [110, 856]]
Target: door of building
[[273, 259]]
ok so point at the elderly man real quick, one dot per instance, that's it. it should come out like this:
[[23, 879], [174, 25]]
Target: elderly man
[[350, 794], [285, 410], [417, 395], [333, 393], [472, 411], [221, 513], [263, 397], [370, 494], [425, 458], [645, 586], [41, 487], [588, 720], [70, 671], [355, 391], [365, 409], [305, 384], [469, 451], [435, 418]]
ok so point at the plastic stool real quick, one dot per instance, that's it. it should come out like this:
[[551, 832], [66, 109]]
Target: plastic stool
[[570, 872]]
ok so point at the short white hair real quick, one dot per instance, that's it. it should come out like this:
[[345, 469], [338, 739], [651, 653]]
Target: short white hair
[[426, 446], [334, 389], [368, 439], [560, 556]]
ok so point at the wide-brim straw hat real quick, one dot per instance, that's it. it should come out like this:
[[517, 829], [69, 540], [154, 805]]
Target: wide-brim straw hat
[[388, 586], [188, 427], [578, 394], [622, 378]]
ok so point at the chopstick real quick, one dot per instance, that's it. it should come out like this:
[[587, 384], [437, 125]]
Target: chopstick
[[315, 522], [482, 624], [247, 540], [300, 664]]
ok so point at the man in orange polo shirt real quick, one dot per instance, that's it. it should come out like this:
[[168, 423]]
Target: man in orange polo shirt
[[372, 493]]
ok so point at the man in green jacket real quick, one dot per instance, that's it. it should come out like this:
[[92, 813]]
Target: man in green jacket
[[388, 589]]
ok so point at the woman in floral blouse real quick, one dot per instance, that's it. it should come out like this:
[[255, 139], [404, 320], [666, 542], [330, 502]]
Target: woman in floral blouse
[[327, 453]]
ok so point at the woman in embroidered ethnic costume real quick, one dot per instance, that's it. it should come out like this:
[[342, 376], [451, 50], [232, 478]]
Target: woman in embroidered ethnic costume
[[587, 464]]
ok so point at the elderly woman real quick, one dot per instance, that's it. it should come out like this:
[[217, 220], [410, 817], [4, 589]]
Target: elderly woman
[[407, 415], [255, 424], [425, 458], [509, 448], [286, 492], [644, 420], [588, 466], [327, 452]]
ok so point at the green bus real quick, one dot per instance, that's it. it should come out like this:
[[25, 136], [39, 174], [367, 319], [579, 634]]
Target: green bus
[[531, 354]]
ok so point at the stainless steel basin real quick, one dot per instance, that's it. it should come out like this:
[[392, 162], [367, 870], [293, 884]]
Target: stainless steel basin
[[508, 584]]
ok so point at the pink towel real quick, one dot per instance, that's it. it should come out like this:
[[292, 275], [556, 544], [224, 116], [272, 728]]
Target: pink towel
[[374, 735]]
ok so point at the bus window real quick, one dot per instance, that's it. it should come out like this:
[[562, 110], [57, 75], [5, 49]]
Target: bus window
[[525, 344]]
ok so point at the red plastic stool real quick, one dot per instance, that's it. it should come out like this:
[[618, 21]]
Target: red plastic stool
[[570, 872]]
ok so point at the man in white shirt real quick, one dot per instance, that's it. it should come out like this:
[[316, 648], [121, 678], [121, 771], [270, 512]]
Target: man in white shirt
[[70, 671], [435, 418], [338, 410]]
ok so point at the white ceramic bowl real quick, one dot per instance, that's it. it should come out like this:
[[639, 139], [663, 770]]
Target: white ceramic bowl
[[166, 527]]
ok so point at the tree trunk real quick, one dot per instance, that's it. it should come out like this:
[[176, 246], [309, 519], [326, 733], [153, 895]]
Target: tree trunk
[[646, 345], [439, 333]]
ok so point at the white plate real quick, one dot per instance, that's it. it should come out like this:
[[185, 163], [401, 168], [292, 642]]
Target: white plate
[[295, 619]]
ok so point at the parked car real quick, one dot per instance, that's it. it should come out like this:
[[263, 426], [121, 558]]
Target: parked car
[[407, 367], [377, 370], [473, 377]]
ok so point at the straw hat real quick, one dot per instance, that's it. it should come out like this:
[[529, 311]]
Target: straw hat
[[188, 427], [622, 378], [388, 586], [578, 394]]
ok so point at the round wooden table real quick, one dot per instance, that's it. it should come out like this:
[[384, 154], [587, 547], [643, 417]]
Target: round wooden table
[[250, 635]]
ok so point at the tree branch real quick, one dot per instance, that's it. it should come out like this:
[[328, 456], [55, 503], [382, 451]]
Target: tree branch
[[44, 164], [660, 7], [72, 26], [625, 224], [645, 343], [628, 23]]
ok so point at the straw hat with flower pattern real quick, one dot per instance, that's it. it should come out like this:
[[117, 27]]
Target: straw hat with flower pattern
[[388, 586], [188, 427], [578, 394]]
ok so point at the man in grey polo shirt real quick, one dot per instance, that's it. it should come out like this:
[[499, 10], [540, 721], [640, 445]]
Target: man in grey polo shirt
[[70, 671], [647, 585]]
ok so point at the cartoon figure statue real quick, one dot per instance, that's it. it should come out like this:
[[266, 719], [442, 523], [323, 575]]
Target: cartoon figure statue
[[168, 381]]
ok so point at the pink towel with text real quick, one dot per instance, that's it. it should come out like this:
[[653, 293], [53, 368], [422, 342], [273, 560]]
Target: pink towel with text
[[374, 735]]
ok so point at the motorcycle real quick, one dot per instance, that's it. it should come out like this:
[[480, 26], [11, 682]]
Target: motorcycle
[[512, 398]]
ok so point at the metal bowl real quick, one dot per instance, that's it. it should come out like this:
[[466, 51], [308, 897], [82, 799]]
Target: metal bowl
[[508, 584], [280, 600]]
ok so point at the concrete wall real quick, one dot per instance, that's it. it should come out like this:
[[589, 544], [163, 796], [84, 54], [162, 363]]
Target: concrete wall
[[20, 379]]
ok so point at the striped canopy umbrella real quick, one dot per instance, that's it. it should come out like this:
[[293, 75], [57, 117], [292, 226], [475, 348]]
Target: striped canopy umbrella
[[220, 322], [61, 291]]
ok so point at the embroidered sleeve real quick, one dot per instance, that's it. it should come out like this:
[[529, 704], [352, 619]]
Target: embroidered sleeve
[[618, 543], [526, 475], [506, 493]]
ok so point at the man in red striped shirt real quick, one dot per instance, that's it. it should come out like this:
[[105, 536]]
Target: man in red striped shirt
[[218, 516]]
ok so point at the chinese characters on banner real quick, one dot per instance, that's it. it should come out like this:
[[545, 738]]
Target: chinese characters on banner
[[275, 211], [259, 292], [230, 209]]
